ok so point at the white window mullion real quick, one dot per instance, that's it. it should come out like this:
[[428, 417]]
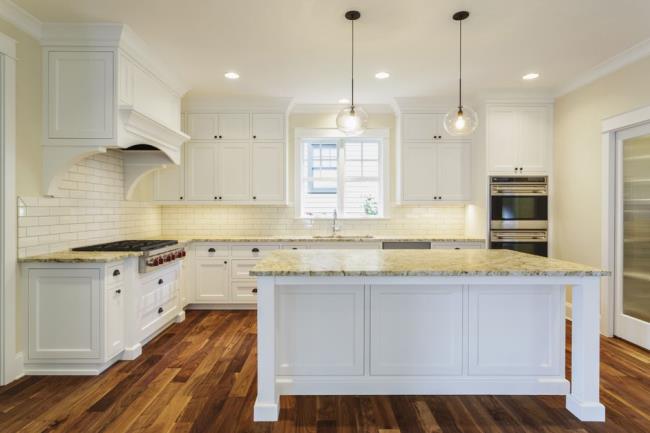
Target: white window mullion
[[341, 177]]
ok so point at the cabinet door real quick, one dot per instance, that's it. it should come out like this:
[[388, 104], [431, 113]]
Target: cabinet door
[[234, 171], [268, 172], [114, 321], [234, 126], [201, 180], [533, 142], [453, 171], [212, 278], [502, 133], [268, 126], [168, 184], [419, 127], [203, 126], [418, 172], [64, 317], [80, 98], [244, 292]]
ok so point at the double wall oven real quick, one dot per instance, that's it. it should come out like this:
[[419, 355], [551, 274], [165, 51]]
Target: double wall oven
[[519, 214]]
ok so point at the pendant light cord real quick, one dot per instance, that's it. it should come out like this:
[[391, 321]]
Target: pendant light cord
[[460, 67], [352, 106]]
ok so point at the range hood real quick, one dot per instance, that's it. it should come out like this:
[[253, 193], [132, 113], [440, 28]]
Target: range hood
[[113, 94]]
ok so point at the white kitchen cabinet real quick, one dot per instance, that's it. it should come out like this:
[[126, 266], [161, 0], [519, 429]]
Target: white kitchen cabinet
[[74, 78], [115, 320], [435, 172], [201, 175], [159, 301], [268, 126], [519, 139], [168, 184], [268, 172], [425, 127], [234, 171], [212, 278], [226, 126]]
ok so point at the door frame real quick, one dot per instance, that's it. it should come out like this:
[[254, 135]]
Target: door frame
[[10, 362], [611, 127]]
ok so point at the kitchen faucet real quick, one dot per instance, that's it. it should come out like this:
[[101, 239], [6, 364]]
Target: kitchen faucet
[[335, 225]]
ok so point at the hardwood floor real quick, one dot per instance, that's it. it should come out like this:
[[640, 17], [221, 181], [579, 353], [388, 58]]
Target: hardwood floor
[[199, 376]]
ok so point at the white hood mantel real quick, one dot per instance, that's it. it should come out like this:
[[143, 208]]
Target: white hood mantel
[[110, 95]]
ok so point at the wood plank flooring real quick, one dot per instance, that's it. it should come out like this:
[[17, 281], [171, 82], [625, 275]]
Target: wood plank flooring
[[199, 376]]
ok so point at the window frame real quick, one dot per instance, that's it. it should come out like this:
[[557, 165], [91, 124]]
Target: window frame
[[323, 135]]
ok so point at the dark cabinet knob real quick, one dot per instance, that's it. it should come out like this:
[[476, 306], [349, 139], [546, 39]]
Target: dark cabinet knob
[[216, 198], [118, 291], [254, 290], [181, 197], [160, 310], [216, 136], [220, 136], [254, 136], [254, 197], [211, 250], [116, 272], [255, 250], [160, 281], [225, 262], [220, 197]]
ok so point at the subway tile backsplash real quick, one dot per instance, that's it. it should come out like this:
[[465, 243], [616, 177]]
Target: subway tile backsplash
[[91, 210]]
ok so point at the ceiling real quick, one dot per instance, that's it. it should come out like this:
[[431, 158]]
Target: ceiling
[[300, 48]]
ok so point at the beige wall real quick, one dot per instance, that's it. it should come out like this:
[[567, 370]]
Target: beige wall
[[28, 110], [577, 157]]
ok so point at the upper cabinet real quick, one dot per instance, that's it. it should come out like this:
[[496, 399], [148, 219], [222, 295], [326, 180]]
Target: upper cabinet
[[236, 126], [435, 167], [232, 158], [519, 138]]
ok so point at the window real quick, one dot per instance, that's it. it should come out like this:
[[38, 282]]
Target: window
[[342, 174]]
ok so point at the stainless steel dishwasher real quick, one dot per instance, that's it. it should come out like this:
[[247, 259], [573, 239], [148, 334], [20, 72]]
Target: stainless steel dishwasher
[[406, 245]]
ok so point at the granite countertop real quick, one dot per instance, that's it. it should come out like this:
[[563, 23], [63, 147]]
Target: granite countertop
[[343, 238], [415, 263], [82, 256]]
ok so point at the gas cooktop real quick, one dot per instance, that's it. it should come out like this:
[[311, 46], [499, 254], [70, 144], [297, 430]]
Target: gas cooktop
[[130, 245]]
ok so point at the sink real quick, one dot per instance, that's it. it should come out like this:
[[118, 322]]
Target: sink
[[343, 237]]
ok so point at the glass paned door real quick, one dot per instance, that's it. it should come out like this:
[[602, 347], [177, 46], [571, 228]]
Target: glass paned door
[[633, 237]]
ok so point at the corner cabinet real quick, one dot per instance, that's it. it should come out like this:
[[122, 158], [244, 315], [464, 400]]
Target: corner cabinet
[[233, 158], [519, 138]]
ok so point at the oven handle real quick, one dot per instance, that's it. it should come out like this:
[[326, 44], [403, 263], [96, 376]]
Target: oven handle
[[509, 237], [511, 190]]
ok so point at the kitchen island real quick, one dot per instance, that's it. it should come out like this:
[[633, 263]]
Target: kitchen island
[[424, 322]]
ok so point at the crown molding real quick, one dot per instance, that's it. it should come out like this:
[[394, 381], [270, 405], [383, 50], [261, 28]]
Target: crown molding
[[195, 103], [335, 108], [613, 64], [22, 19]]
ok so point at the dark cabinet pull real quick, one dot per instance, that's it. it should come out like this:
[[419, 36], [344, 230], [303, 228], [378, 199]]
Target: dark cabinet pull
[[254, 197], [216, 136], [116, 272], [220, 197], [225, 262], [254, 136], [160, 310], [118, 291], [211, 250], [254, 290], [294, 248], [255, 250], [220, 136], [160, 281], [181, 197]]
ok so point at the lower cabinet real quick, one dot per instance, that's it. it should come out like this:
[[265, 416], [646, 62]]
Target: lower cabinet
[[115, 320], [159, 301], [212, 280]]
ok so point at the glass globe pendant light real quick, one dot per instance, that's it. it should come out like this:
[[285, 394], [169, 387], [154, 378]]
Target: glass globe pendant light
[[352, 120], [460, 120]]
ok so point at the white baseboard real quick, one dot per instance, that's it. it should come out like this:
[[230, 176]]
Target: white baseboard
[[568, 310]]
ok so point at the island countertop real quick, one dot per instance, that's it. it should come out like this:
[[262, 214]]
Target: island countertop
[[416, 263]]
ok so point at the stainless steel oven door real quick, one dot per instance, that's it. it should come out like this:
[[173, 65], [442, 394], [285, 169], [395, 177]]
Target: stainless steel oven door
[[525, 241]]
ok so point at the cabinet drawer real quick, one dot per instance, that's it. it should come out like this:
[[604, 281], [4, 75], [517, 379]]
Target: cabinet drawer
[[115, 274], [457, 246], [244, 291], [212, 250], [240, 267], [252, 251]]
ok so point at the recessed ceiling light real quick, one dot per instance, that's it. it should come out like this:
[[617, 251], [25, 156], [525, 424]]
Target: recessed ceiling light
[[382, 75], [531, 76], [344, 101], [231, 75]]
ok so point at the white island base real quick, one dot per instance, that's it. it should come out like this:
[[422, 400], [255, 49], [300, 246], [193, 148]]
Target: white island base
[[427, 335]]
